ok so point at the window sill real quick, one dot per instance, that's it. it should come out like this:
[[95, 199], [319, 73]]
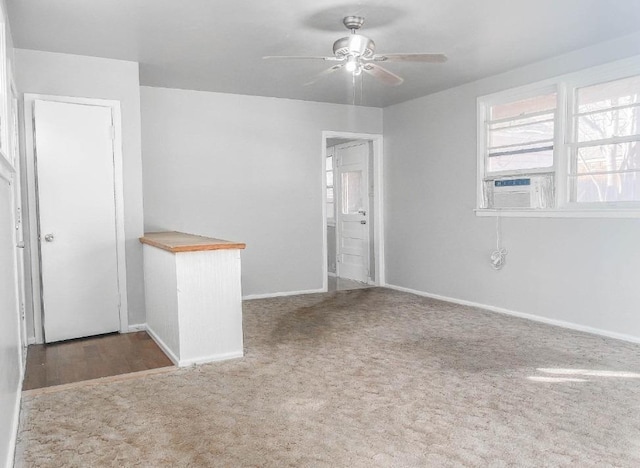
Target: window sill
[[560, 213]]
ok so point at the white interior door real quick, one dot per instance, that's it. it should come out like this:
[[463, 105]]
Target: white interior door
[[77, 219], [352, 210]]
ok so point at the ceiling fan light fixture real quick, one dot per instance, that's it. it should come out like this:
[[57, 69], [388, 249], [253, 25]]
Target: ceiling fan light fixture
[[352, 64], [356, 54], [355, 44]]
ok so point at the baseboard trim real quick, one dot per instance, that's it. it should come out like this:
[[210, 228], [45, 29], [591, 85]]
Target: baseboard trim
[[163, 346], [189, 362], [535, 318], [213, 358], [137, 327], [281, 294], [15, 426], [31, 340], [332, 274]]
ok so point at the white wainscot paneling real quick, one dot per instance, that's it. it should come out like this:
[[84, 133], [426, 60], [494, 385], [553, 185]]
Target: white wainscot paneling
[[194, 304]]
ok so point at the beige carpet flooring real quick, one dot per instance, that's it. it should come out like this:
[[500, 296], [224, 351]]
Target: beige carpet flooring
[[361, 378]]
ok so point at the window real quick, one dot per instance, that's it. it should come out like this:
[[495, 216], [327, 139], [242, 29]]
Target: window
[[568, 143], [605, 148], [331, 210], [520, 134], [518, 156]]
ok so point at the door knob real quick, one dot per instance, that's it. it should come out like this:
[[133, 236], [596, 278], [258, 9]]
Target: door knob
[[49, 237], [362, 212], [363, 222]]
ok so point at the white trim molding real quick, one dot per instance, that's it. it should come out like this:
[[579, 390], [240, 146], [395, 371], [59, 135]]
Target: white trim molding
[[251, 297], [213, 358], [558, 213], [32, 202], [188, 362], [535, 318], [163, 346], [15, 425], [138, 327]]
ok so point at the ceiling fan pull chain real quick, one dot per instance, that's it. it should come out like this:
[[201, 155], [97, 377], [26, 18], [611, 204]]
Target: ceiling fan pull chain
[[353, 88]]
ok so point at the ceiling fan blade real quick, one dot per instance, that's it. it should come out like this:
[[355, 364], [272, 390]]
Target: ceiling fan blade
[[426, 58], [382, 74], [321, 75], [301, 57]]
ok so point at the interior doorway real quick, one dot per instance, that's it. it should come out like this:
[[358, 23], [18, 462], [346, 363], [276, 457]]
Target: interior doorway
[[352, 215], [76, 217]]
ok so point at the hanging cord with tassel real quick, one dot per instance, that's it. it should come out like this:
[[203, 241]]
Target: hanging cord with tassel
[[498, 257]]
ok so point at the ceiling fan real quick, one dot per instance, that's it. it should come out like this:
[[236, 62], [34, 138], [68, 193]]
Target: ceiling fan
[[356, 54]]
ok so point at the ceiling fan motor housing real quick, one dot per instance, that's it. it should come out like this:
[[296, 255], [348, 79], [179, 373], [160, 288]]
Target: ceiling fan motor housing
[[354, 44]]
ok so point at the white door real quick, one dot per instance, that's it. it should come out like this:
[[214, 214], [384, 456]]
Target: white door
[[77, 220], [352, 210]]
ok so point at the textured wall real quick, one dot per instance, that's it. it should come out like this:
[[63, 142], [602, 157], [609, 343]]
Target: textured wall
[[583, 271], [91, 77], [248, 169]]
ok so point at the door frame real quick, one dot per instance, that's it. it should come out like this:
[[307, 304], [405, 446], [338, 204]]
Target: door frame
[[378, 198], [32, 195], [13, 125]]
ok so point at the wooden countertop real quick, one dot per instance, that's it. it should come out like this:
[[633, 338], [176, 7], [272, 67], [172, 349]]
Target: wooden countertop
[[181, 242]]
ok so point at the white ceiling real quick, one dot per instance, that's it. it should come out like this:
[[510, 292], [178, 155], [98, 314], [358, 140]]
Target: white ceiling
[[217, 45]]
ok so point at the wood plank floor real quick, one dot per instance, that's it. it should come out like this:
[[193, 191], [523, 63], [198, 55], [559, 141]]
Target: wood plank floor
[[91, 358]]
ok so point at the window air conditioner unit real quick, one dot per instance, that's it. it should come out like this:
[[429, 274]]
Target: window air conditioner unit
[[531, 192]]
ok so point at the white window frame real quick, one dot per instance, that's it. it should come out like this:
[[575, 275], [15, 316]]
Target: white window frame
[[565, 86], [331, 153], [483, 116]]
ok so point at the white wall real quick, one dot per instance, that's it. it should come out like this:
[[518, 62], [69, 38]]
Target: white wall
[[248, 169], [10, 332], [583, 271], [91, 77]]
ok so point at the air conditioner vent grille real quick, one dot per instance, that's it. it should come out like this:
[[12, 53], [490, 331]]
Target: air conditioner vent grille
[[530, 192]]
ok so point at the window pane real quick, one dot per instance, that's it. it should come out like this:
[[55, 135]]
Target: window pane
[[525, 139], [521, 134], [331, 211], [610, 94], [329, 178], [532, 105], [352, 192], [330, 163], [522, 120], [619, 157], [513, 162], [609, 110], [609, 123], [330, 194], [608, 187]]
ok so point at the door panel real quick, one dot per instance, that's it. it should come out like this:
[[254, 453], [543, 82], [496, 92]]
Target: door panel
[[77, 222], [352, 211]]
